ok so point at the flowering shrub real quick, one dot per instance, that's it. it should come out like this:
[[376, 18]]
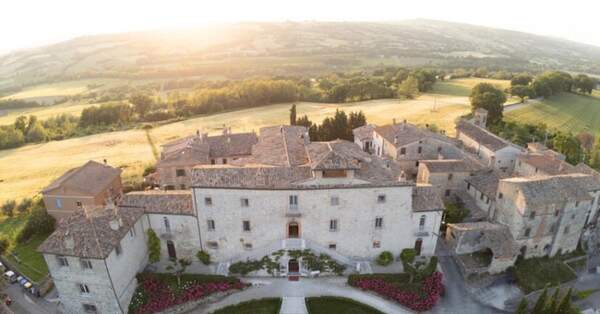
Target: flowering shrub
[[421, 299], [155, 294]]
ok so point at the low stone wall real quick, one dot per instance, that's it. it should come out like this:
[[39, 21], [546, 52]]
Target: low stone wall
[[186, 307]]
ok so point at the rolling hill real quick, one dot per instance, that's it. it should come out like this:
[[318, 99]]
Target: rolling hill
[[290, 48]]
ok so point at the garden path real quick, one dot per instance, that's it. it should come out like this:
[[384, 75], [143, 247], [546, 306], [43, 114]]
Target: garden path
[[293, 305]]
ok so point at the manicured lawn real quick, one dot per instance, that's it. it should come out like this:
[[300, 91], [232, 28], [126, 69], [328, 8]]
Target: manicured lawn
[[337, 305], [30, 262], [565, 112], [535, 273], [262, 306]]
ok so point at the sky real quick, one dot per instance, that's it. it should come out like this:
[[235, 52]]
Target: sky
[[29, 23]]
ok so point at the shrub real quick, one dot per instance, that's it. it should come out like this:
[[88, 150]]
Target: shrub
[[385, 258], [3, 245], [39, 222], [203, 257], [246, 267], [153, 246], [8, 208], [408, 255], [24, 205]]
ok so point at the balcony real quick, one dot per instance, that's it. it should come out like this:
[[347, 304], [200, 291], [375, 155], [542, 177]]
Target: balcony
[[293, 244], [421, 232], [293, 211]]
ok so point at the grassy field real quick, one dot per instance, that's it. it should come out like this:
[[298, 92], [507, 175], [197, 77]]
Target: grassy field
[[462, 87], [535, 273], [46, 93], [565, 112], [337, 305], [43, 113], [262, 306]]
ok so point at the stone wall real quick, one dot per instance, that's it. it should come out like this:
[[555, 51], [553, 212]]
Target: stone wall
[[183, 233]]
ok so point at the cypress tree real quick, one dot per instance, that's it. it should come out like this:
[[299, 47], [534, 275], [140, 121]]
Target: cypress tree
[[552, 306], [565, 304], [522, 309], [541, 303], [293, 115]]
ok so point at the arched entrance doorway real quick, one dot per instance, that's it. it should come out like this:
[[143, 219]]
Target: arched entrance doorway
[[293, 230], [293, 266]]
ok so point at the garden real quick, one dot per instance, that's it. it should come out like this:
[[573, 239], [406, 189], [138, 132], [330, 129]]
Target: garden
[[535, 273], [157, 292], [337, 305], [261, 306], [322, 263], [418, 288]]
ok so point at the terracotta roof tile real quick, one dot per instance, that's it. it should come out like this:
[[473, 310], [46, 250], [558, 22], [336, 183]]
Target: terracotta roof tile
[[160, 202], [90, 179]]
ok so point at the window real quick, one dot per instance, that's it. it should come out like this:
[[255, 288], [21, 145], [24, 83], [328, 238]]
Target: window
[[566, 229], [89, 308], [224, 161], [182, 186], [527, 232], [577, 204], [333, 225], [132, 232], [332, 246], [293, 201], [212, 245], [245, 202], [211, 225], [381, 198], [85, 263], [167, 224], [481, 196], [500, 195], [556, 213], [553, 228], [447, 193], [180, 172], [532, 215], [573, 216], [208, 201], [212, 162], [379, 222], [334, 173], [439, 150], [83, 288], [335, 200], [419, 150], [246, 225], [422, 221], [450, 175], [78, 204], [376, 244], [403, 151], [248, 246], [487, 200], [62, 261], [58, 202], [118, 249]]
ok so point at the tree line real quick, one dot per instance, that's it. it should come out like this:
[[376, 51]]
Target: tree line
[[339, 126], [550, 83]]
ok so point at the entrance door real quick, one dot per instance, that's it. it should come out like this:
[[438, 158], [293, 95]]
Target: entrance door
[[171, 249], [293, 230], [418, 245], [293, 266]]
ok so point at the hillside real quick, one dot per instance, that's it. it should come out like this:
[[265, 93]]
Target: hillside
[[291, 48]]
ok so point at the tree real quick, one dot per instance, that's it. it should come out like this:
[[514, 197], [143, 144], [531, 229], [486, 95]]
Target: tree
[[595, 155], [11, 137], [8, 208], [521, 91], [409, 88], [490, 98], [21, 123], [141, 103], [153, 246], [568, 145], [521, 80], [540, 305], [178, 267], [203, 257], [24, 205], [522, 308], [584, 83], [36, 133], [565, 304], [552, 306], [293, 115]]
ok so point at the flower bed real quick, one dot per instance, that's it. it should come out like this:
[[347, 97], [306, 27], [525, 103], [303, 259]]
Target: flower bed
[[419, 297], [158, 292]]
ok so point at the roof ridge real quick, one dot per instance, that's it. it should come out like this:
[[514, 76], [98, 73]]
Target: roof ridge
[[285, 146]]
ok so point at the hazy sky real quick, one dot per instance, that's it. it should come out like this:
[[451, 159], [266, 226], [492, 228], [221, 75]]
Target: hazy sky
[[28, 23]]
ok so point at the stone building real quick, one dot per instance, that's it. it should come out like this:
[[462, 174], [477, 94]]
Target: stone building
[[93, 258], [494, 151], [174, 169], [90, 185], [546, 215], [447, 175], [292, 193], [406, 144]]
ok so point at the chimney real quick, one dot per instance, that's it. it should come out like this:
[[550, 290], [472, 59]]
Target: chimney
[[402, 177], [198, 133], [115, 224], [404, 121], [105, 161], [69, 241], [394, 121]]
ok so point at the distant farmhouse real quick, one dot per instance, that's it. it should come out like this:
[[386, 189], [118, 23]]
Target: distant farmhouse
[[244, 196], [92, 184]]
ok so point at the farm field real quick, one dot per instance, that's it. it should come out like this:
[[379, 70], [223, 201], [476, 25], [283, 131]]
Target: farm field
[[26, 170], [463, 86], [47, 93], [566, 112], [70, 107]]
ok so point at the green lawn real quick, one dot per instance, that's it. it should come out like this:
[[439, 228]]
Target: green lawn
[[535, 273], [10, 226], [565, 112], [28, 261], [262, 306], [337, 305]]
